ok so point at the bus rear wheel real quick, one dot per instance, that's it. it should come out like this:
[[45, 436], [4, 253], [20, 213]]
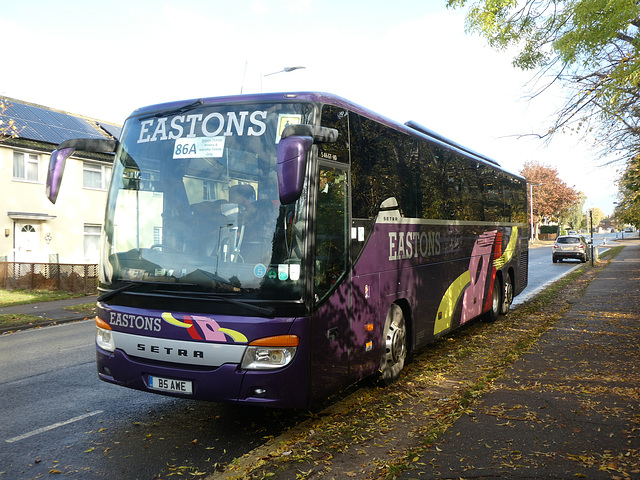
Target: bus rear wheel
[[507, 296], [496, 302], [394, 348]]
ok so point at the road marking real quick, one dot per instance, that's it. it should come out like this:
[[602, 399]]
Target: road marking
[[51, 427]]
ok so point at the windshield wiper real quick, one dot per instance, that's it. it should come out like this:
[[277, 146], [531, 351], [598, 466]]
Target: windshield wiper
[[264, 311], [204, 295], [125, 288], [192, 295], [174, 111]]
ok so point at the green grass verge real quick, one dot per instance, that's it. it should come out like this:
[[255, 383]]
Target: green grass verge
[[9, 298], [18, 320]]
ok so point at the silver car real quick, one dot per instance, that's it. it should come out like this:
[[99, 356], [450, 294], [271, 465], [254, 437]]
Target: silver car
[[570, 246]]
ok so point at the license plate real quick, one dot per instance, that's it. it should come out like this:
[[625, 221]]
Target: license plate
[[170, 385]]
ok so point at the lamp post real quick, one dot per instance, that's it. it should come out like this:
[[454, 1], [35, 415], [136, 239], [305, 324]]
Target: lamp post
[[284, 70], [621, 205], [591, 231]]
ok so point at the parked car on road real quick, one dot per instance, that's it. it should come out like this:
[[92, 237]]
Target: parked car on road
[[570, 246]]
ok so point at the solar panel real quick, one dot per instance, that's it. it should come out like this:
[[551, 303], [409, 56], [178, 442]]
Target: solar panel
[[41, 124], [113, 130]]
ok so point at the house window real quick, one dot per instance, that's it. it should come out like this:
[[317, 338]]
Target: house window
[[95, 176], [26, 166], [157, 235], [92, 242], [209, 190]]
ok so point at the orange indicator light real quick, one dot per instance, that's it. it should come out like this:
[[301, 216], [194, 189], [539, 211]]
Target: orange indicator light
[[277, 341], [102, 324]]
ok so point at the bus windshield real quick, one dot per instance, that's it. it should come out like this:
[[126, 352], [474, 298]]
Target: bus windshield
[[194, 201]]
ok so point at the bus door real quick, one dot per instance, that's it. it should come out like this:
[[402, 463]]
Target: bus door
[[366, 325], [331, 286]]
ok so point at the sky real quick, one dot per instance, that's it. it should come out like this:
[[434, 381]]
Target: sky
[[407, 60]]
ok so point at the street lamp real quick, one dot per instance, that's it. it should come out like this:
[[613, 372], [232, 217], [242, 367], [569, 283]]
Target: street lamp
[[591, 230], [284, 70]]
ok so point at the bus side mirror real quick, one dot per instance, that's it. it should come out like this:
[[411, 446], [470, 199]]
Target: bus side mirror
[[292, 162], [292, 157], [56, 169], [65, 150]]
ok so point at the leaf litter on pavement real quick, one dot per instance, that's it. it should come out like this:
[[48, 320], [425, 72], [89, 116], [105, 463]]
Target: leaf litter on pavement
[[377, 433]]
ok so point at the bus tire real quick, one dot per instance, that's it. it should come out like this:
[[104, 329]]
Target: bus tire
[[496, 302], [507, 295], [394, 346]]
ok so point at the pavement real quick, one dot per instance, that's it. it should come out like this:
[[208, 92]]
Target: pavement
[[569, 407], [50, 312]]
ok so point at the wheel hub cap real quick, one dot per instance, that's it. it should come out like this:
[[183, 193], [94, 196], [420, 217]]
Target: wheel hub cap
[[395, 343]]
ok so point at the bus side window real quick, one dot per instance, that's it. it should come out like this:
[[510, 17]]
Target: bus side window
[[338, 118], [331, 230]]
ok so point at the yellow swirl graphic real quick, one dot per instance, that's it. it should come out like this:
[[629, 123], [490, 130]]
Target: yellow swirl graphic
[[237, 336], [167, 317], [449, 301]]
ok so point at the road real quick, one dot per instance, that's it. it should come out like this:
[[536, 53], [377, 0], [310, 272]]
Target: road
[[58, 417], [543, 272]]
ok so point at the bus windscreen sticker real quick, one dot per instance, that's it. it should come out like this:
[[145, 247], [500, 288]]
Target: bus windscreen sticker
[[294, 272], [260, 270], [283, 272], [199, 147], [284, 121]]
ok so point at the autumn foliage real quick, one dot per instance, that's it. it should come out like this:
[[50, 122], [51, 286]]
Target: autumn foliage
[[552, 199]]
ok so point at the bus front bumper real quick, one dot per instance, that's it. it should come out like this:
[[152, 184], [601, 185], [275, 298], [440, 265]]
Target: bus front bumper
[[286, 387]]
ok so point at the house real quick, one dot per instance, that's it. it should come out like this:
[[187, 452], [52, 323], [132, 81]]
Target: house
[[32, 229]]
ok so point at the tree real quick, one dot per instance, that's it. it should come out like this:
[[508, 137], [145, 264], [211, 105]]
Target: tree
[[575, 215], [597, 215], [627, 210], [592, 47], [552, 199]]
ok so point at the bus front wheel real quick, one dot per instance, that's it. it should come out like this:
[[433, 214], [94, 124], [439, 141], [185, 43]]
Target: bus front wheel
[[394, 348]]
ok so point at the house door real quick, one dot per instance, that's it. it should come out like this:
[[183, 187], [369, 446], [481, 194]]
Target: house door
[[27, 242]]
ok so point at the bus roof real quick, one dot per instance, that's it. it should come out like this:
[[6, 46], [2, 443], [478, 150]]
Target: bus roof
[[410, 127]]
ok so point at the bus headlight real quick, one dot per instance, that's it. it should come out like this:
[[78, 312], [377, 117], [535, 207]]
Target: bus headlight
[[104, 339], [270, 352]]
